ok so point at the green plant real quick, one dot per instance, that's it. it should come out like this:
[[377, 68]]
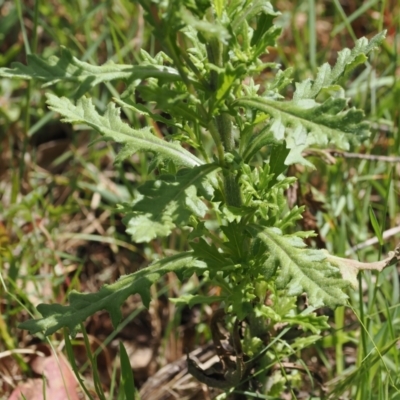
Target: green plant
[[220, 175]]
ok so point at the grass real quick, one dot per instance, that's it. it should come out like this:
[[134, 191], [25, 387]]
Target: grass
[[59, 230]]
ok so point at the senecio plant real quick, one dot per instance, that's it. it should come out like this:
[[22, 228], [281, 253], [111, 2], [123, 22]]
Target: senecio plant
[[228, 196]]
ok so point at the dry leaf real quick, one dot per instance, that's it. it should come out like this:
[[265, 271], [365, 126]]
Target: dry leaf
[[350, 268], [59, 380]]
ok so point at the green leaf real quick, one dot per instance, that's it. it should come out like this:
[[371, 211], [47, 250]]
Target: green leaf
[[306, 123], [176, 101], [167, 202], [304, 270], [219, 6], [374, 359], [127, 381], [225, 82], [69, 68], [301, 343], [110, 297], [242, 299], [375, 225], [347, 60], [281, 80], [192, 300], [113, 128], [277, 159], [266, 312], [238, 240], [308, 322], [207, 29], [264, 23], [302, 122], [208, 253], [269, 38], [250, 10], [258, 141], [143, 110]]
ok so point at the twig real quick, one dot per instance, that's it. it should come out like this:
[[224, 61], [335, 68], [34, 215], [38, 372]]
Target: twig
[[370, 242], [328, 155], [371, 157]]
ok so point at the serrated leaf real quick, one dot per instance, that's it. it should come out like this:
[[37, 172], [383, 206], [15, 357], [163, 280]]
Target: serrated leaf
[[302, 122], [225, 82], [69, 68], [308, 322], [215, 260], [304, 270], [266, 312], [347, 60], [166, 203], [177, 102], [268, 39], [110, 297], [251, 9], [242, 299], [264, 23], [305, 124], [113, 128], [237, 240]]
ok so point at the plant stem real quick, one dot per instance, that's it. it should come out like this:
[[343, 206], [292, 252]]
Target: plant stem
[[224, 127], [215, 135]]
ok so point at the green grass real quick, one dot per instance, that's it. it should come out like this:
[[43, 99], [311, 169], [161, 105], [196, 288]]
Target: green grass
[[58, 226]]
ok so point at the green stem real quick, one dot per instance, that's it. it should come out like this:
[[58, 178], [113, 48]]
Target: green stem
[[363, 349], [224, 126], [214, 54], [231, 186], [172, 50], [215, 135], [232, 190], [339, 323]]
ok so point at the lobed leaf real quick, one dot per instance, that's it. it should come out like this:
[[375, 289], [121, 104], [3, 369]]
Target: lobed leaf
[[113, 128], [304, 270], [250, 9], [308, 322], [304, 124], [69, 68], [166, 203], [209, 253], [347, 60], [110, 297]]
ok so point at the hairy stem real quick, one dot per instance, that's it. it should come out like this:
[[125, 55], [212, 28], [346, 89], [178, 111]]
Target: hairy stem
[[224, 127]]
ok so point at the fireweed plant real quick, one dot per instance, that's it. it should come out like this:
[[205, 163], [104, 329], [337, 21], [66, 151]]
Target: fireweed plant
[[228, 197]]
